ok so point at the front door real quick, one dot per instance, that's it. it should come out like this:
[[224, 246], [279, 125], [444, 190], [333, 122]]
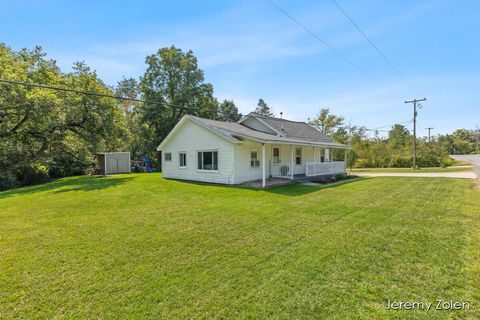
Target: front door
[[275, 161], [277, 167]]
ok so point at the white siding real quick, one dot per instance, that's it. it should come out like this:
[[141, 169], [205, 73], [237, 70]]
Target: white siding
[[243, 170], [191, 138]]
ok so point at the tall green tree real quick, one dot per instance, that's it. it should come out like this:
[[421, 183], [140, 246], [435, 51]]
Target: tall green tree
[[173, 79], [228, 111], [129, 89], [398, 136], [341, 135], [264, 109], [326, 122]]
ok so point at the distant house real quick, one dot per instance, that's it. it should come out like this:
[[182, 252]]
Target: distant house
[[256, 148]]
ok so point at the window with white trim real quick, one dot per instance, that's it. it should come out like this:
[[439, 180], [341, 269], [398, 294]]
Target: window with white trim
[[208, 160], [276, 155], [254, 162], [298, 156], [168, 156], [182, 158]]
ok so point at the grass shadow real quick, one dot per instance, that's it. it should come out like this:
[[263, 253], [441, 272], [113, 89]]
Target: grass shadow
[[70, 184], [290, 189], [300, 190]]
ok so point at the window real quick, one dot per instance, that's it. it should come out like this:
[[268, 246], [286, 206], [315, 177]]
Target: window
[[276, 155], [182, 156], [208, 160], [168, 156], [254, 163], [298, 156]]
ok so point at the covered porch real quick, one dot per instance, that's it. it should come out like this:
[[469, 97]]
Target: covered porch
[[301, 162]]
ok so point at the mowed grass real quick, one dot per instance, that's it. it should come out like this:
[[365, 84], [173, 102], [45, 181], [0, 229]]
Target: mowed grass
[[409, 170], [139, 246]]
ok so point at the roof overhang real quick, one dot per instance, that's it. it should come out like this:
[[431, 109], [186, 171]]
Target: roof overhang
[[297, 143]]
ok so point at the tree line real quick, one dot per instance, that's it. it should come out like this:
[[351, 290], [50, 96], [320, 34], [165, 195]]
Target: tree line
[[48, 134], [394, 150]]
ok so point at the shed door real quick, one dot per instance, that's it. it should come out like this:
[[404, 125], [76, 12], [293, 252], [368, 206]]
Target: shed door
[[117, 164]]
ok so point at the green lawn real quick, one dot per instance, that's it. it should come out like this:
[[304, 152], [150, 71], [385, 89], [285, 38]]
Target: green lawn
[[138, 246], [405, 170]]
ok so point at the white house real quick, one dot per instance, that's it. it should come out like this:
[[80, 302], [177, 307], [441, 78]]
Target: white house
[[256, 148]]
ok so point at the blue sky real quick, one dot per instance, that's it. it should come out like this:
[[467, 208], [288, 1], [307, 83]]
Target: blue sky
[[250, 50]]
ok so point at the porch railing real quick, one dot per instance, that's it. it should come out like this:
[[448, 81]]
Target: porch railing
[[281, 170], [320, 168]]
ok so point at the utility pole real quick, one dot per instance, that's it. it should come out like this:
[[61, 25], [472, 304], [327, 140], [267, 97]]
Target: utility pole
[[415, 101], [430, 128]]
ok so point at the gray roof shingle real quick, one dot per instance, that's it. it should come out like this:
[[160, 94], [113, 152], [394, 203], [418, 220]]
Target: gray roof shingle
[[294, 131]]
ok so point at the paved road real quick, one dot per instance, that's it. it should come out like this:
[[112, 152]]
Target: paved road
[[474, 159], [458, 175]]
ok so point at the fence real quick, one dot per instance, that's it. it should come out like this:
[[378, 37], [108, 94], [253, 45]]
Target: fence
[[320, 168]]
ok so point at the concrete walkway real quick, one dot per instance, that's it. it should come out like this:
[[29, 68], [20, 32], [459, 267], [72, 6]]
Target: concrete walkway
[[457, 175]]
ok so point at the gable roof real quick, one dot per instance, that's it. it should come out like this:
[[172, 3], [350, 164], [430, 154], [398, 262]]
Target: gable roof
[[293, 129], [237, 132]]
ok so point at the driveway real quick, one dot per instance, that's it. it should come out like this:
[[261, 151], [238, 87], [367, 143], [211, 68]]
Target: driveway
[[457, 175], [474, 159]]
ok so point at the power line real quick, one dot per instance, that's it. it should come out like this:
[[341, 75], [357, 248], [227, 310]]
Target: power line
[[313, 34], [92, 93], [391, 125], [373, 45]]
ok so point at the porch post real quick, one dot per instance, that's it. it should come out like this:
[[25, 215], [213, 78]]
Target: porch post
[[263, 165], [314, 161], [291, 169], [345, 160]]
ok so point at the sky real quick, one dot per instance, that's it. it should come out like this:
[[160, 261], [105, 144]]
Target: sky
[[250, 50]]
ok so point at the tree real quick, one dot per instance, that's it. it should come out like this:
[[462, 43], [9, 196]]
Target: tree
[[173, 79], [128, 88], [47, 133], [351, 158], [264, 109], [397, 136], [326, 122], [341, 135], [463, 141], [229, 112]]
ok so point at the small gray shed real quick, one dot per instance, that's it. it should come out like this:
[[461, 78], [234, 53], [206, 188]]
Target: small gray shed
[[113, 162]]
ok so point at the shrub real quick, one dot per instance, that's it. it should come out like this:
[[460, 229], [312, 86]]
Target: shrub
[[340, 176], [446, 161], [428, 160], [34, 173], [362, 163], [8, 180], [401, 162]]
